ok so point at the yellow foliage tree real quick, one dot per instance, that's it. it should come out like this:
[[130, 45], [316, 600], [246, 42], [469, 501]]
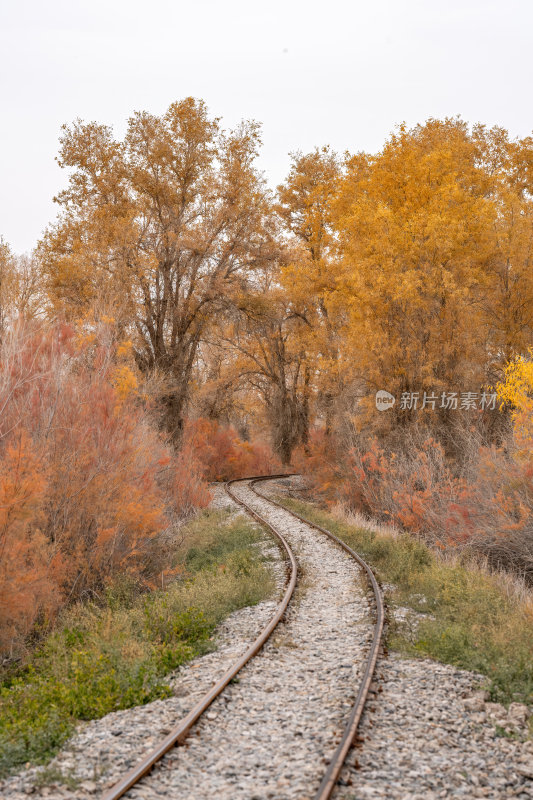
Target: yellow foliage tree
[[161, 227], [516, 390], [309, 278], [507, 295], [433, 271], [21, 290], [266, 333]]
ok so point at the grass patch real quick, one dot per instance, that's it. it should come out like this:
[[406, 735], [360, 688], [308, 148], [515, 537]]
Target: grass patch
[[472, 622], [48, 776], [115, 653]]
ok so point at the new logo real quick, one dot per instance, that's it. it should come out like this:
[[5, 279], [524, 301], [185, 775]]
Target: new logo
[[384, 400]]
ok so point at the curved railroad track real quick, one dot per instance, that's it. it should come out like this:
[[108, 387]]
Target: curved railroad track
[[260, 507]]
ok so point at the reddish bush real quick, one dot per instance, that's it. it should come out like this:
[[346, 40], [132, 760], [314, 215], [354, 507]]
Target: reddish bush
[[406, 490], [224, 455], [323, 465], [486, 504], [86, 483], [28, 567]]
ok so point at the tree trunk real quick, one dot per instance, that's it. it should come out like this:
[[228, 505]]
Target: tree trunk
[[173, 406], [289, 424]]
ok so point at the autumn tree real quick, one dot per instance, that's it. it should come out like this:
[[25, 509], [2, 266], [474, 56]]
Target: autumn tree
[[21, 290], [506, 298], [304, 205], [162, 227], [267, 334], [305, 209], [7, 279], [221, 391], [415, 225]]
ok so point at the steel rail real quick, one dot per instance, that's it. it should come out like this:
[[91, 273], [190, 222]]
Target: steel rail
[[333, 771], [178, 734]]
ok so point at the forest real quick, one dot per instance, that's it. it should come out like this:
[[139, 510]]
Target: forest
[[181, 323]]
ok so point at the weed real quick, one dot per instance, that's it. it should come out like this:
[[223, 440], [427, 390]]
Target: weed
[[504, 733], [50, 776]]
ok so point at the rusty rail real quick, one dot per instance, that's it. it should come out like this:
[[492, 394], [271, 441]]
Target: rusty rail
[[332, 773], [179, 733]]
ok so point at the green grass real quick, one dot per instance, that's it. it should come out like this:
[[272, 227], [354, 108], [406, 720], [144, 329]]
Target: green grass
[[115, 654], [472, 619]]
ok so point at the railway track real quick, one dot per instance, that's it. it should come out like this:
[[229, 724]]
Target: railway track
[[267, 513]]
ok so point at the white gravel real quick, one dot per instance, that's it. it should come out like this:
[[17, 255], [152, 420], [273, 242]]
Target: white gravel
[[271, 734], [430, 734]]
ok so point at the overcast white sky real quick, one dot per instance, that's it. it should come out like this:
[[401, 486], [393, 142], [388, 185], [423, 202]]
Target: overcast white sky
[[339, 73]]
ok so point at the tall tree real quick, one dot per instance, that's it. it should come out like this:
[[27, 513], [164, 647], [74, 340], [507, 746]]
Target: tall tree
[[507, 296], [7, 284], [21, 290], [266, 332], [415, 225], [164, 226], [305, 208]]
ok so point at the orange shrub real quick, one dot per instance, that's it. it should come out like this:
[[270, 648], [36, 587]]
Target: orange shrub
[[485, 502], [224, 455], [28, 568], [415, 489], [86, 483]]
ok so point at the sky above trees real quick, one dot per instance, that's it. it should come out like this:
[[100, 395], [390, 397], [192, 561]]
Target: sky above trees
[[339, 73]]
